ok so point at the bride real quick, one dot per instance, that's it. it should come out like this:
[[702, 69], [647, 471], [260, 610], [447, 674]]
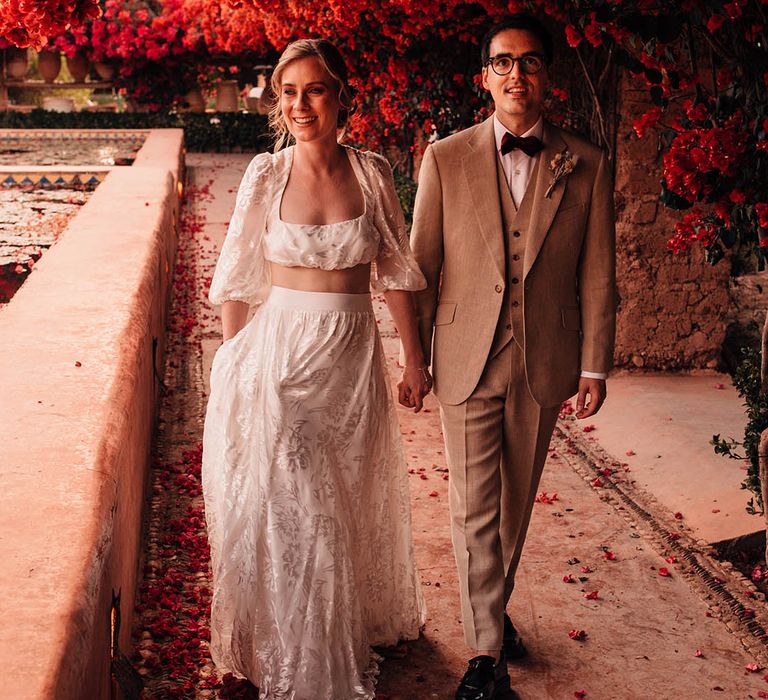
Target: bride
[[304, 475]]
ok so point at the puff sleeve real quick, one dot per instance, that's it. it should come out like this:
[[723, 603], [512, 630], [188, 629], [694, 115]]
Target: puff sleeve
[[242, 273], [394, 266]]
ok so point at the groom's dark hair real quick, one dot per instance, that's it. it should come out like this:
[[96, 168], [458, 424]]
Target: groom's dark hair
[[523, 21]]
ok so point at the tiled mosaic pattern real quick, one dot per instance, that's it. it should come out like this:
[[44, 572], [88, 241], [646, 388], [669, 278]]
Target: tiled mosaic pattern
[[52, 179]]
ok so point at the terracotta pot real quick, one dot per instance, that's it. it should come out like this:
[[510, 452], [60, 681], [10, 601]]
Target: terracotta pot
[[106, 71], [194, 98], [78, 67], [227, 96], [16, 63], [49, 65]]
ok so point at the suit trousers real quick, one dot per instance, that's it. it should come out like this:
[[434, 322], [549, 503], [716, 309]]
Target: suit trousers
[[496, 445]]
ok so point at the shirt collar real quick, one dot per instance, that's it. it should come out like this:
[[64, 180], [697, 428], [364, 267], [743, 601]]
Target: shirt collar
[[499, 130]]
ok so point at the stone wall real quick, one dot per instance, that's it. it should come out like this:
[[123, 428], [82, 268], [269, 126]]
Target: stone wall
[[673, 309]]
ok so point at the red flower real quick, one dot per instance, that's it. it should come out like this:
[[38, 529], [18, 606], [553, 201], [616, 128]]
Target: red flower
[[714, 23], [761, 209], [647, 120], [572, 36]]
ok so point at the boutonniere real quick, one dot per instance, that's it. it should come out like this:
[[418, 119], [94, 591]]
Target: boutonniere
[[561, 165]]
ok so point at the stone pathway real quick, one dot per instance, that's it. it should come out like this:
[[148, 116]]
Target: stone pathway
[[656, 616]]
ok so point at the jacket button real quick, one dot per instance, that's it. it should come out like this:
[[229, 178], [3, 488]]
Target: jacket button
[[515, 257], [515, 280], [515, 303], [498, 288], [516, 234], [509, 326]]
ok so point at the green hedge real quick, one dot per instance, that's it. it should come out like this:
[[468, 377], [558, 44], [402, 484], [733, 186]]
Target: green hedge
[[221, 132]]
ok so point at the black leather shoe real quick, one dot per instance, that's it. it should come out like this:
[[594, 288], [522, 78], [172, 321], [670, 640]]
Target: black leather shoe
[[513, 646], [484, 680]]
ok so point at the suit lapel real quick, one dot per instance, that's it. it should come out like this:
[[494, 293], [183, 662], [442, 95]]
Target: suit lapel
[[543, 208], [479, 166]]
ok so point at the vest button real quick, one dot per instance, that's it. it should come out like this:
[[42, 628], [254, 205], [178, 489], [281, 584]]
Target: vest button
[[516, 234], [498, 288], [515, 303], [515, 257], [509, 326], [515, 280]]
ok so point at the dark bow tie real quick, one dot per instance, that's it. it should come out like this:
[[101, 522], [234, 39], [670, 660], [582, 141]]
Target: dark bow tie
[[530, 145]]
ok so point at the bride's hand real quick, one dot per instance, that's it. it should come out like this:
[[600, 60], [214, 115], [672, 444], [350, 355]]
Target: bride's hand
[[415, 384]]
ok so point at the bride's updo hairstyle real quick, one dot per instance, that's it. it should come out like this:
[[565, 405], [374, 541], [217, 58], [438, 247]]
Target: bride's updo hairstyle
[[333, 62]]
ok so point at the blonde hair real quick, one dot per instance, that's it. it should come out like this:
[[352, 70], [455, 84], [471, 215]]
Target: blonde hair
[[333, 62]]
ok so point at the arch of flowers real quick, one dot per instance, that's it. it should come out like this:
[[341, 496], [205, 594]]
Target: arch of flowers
[[704, 64]]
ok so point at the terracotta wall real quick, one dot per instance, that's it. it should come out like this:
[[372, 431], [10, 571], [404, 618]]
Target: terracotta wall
[[77, 416]]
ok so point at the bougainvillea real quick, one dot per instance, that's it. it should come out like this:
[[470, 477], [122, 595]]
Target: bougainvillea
[[31, 22]]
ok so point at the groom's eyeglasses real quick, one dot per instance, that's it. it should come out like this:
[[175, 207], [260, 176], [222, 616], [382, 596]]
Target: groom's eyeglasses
[[503, 63]]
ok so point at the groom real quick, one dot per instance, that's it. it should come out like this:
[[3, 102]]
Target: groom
[[514, 230]]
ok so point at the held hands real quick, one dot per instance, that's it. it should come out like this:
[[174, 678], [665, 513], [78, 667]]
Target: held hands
[[595, 389], [413, 387]]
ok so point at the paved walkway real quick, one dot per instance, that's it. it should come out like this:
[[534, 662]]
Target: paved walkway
[[646, 635]]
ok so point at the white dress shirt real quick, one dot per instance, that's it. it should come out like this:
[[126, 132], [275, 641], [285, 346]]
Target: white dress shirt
[[518, 168]]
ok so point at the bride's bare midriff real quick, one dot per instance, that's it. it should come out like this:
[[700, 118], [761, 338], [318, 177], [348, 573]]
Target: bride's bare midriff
[[353, 280]]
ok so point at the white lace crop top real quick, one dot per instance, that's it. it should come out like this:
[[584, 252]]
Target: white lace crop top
[[257, 235]]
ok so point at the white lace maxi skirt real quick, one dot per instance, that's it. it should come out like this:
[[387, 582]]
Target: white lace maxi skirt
[[306, 500]]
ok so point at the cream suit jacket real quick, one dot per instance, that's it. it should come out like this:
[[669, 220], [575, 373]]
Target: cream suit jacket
[[569, 294]]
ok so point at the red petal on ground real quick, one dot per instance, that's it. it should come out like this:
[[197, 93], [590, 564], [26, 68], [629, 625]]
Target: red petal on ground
[[568, 579], [678, 516], [609, 555], [433, 493], [579, 693], [752, 668], [589, 428], [586, 570], [664, 571], [596, 482], [423, 476], [544, 497], [78, 363], [631, 453], [671, 559], [698, 654], [592, 595], [578, 635]]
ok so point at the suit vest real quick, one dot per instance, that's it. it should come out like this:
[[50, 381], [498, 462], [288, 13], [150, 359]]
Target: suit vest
[[515, 224]]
